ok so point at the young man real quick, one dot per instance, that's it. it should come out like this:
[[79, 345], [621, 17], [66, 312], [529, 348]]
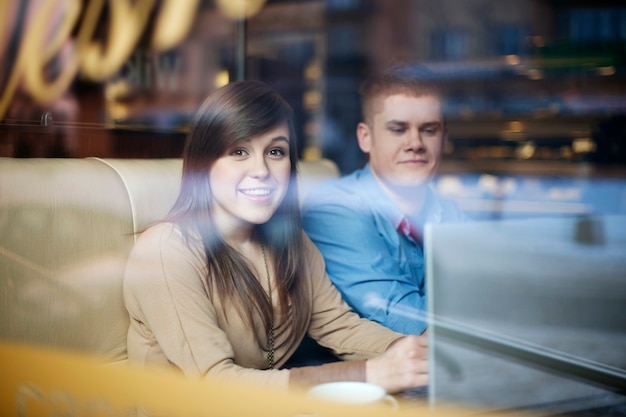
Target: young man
[[368, 224]]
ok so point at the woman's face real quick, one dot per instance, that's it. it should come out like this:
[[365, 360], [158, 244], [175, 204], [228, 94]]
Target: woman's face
[[250, 180]]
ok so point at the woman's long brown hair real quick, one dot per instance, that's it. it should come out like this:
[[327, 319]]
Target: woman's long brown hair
[[235, 112]]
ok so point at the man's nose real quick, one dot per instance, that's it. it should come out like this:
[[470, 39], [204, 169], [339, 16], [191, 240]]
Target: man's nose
[[414, 140]]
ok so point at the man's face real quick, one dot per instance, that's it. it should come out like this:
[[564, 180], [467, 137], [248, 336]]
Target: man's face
[[404, 140]]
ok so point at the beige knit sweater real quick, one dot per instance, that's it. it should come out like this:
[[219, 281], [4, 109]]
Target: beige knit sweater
[[174, 322]]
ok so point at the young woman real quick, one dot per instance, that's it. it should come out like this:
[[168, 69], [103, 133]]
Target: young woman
[[228, 285]]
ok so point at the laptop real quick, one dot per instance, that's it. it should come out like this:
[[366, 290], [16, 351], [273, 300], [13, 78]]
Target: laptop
[[528, 315]]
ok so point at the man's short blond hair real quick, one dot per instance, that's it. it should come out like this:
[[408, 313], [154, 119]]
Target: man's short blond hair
[[409, 80]]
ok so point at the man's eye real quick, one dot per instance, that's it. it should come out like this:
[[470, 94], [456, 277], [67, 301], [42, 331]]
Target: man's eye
[[431, 131], [397, 130]]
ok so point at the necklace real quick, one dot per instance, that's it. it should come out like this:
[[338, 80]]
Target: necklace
[[270, 336]]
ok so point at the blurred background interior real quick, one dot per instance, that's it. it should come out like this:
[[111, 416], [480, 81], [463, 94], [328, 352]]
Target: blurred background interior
[[536, 109], [537, 98]]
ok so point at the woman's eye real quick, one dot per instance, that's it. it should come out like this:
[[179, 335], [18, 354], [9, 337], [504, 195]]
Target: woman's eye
[[239, 152], [277, 152]]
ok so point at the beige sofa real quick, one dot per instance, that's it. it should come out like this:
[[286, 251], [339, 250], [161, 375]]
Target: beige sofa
[[66, 228]]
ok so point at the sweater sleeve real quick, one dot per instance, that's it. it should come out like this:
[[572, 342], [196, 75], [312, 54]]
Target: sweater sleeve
[[329, 372], [335, 325]]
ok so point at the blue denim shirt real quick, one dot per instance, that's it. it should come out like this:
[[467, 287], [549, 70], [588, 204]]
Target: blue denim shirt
[[376, 265]]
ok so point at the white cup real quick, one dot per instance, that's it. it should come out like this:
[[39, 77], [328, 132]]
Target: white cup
[[354, 393]]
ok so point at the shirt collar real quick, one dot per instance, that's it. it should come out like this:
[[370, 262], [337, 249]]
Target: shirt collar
[[431, 213]]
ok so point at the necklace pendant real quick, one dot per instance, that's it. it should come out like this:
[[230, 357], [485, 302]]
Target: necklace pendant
[[270, 353], [270, 336]]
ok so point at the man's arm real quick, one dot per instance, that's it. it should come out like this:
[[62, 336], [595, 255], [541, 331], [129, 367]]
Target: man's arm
[[362, 267]]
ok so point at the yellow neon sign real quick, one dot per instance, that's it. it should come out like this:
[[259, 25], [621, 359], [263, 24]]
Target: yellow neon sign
[[96, 60]]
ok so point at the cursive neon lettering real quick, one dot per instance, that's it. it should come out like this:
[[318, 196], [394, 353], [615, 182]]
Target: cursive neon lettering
[[173, 23], [127, 22], [41, 89]]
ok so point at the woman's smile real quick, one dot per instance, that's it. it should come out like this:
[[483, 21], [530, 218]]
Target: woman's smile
[[262, 194]]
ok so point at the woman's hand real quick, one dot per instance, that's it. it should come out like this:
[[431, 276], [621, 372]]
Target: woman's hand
[[403, 366]]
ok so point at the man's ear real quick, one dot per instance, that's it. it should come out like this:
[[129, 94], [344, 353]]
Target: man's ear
[[364, 135]]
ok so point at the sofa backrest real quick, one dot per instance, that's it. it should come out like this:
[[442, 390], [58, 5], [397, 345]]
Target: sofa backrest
[[66, 229]]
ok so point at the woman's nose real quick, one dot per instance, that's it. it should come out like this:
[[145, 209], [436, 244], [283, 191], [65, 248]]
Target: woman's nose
[[260, 168]]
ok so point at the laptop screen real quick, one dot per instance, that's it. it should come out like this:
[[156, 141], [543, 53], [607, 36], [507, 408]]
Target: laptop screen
[[528, 314]]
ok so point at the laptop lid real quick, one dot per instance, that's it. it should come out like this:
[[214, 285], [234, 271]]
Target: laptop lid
[[527, 314]]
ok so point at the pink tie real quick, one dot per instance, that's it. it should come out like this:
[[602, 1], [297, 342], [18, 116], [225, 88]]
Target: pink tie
[[407, 228]]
